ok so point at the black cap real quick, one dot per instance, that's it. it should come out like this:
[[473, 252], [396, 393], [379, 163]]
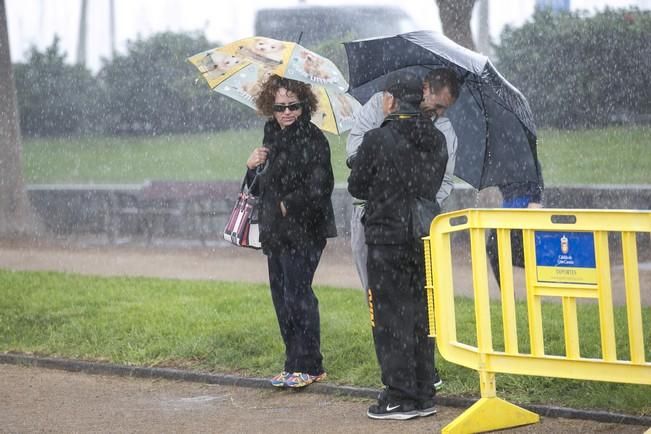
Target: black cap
[[406, 86]]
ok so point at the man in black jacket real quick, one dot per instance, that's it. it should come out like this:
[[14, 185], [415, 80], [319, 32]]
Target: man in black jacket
[[403, 159]]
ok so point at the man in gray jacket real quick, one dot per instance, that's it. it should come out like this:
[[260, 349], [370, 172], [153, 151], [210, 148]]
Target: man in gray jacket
[[440, 91]]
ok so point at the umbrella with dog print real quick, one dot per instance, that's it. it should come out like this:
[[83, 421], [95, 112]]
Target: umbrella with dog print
[[238, 70]]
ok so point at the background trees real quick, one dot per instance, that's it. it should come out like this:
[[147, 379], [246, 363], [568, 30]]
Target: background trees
[[56, 98], [581, 71], [576, 71], [150, 89]]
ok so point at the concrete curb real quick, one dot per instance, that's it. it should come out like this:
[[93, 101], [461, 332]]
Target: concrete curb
[[263, 383]]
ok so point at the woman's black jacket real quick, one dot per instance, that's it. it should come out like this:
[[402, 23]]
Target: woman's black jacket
[[403, 159], [299, 174]]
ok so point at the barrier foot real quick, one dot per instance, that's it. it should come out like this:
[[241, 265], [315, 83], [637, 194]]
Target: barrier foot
[[489, 414]]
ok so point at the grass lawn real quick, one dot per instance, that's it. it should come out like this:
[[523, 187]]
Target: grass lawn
[[616, 155], [231, 327], [124, 160]]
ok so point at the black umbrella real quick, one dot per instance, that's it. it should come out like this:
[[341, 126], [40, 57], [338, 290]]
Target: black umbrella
[[492, 119]]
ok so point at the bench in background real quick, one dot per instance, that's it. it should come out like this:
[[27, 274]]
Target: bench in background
[[189, 209]]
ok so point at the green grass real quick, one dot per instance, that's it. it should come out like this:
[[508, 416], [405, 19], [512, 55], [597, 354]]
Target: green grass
[[231, 328], [124, 160], [614, 155]]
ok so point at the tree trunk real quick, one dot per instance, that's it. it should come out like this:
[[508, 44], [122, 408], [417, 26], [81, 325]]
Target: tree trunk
[[455, 18], [112, 27], [483, 37], [16, 216], [81, 41]]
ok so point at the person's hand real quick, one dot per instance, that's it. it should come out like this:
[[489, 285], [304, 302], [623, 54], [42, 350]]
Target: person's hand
[[257, 158], [283, 210], [534, 205]]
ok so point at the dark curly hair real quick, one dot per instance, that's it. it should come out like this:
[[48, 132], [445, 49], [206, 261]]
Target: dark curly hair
[[267, 96]]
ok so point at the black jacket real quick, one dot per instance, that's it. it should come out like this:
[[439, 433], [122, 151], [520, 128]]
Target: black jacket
[[403, 159], [300, 175]]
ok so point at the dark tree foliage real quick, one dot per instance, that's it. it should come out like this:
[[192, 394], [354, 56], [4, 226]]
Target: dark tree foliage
[[149, 90], [153, 90], [55, 98], [581, 71]]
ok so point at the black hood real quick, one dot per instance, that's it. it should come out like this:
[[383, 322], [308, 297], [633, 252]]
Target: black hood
[[416, 128]]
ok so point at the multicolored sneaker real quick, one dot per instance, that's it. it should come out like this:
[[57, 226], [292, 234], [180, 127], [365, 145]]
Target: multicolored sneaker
[[280, 379], [300, 379]]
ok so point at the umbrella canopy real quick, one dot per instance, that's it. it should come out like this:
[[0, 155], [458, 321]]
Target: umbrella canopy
[[238, 70], [492, 119]]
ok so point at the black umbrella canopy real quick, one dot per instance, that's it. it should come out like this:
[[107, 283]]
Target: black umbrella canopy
[[492, 119]]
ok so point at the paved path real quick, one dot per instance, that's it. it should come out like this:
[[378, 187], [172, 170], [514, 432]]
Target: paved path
[[46, 400], [219, 262], [225, 262]]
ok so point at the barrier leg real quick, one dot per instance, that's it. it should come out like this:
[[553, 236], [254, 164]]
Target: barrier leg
[[490, 412]]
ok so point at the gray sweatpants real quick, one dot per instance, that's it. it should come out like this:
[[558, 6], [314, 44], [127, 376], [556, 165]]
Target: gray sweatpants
[[358, 244]]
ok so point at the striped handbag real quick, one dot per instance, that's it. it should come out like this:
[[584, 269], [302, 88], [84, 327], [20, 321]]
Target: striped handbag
[[242, 228]]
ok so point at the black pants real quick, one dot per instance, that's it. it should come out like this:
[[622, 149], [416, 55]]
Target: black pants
[[290, 276], [398, 306], [517, 251]]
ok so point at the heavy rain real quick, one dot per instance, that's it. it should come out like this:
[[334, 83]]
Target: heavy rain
[[237, 191]]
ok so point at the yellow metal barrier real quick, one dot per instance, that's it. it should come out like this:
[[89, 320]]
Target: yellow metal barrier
[[542, 280]]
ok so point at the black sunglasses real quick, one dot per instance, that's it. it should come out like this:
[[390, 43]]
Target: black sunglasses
[[292, 107]]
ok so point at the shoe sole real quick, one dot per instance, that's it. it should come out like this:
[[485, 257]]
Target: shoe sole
[[278, 382], [393, 416], [426, 412], [321, 377]]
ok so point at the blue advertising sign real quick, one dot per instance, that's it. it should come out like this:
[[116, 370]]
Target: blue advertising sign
[[565, 257]]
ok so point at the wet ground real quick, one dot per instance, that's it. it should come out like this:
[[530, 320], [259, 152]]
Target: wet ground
[[46, 400], [221, 261]]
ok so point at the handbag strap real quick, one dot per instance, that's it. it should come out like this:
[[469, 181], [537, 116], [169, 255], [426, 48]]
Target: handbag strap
[[259, 170]]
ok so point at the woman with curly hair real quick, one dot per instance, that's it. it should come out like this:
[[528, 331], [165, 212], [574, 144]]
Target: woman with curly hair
[[295, 183]]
